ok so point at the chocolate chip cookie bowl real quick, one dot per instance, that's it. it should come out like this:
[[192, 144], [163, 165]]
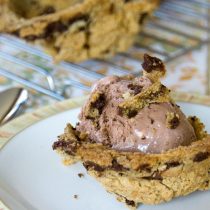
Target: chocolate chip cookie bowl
[[75, 30], [135, 140]]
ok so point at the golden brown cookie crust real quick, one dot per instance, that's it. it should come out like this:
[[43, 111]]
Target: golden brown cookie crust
[[138, 177]]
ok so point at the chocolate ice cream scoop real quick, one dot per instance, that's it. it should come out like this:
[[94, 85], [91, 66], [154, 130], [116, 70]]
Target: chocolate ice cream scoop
[[135, 114]]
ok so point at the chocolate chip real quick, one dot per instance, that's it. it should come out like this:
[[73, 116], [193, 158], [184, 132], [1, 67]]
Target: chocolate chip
[[56, 26], [193, 118], [206, 183], [79, 17], [172, 120], [156, 94], [99, 103], [106, 51], [128, 113], [48, 10], [16, 33], [152, 63], [70, 152], [172, 164], [155, 176], [132, 113], [152, 121], [130, 203], [86, 46], [31, 38], [69, 147], [57, 49], [59, 144], [142, 17], [53, 27], [201, 156], [112, 8], [130, 86], [145, 167], [90, 165], [116, 166], [135, 88], [59, 26]]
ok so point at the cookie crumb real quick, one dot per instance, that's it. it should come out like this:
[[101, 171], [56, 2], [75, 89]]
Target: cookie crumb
[[75, 196], [129, 203], [152, 64], [126, 95], [153, 67], [80, 175]]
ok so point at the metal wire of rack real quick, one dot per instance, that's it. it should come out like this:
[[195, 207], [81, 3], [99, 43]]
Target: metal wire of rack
[[180, 20]]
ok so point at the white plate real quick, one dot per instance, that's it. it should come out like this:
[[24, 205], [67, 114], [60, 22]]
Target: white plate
[[32, 176]]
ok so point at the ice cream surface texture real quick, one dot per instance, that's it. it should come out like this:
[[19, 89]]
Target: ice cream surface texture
[[135, 114]]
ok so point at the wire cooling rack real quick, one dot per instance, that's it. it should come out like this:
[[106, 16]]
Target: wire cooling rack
[[176, 28]]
